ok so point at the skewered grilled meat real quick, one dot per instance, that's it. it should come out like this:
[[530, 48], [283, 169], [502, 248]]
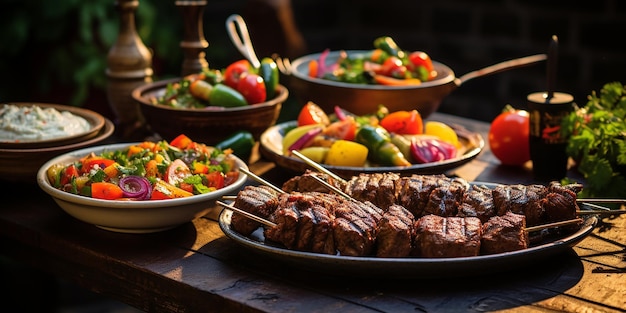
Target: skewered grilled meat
[[325, 223], [444, 199], [421, 215], [447, 237], [395, 233], [377, 188], [478, 202], [304, 222], [258, 200], [445, 196], [504, 233]]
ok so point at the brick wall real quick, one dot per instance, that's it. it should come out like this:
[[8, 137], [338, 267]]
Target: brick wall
[[469, 35]]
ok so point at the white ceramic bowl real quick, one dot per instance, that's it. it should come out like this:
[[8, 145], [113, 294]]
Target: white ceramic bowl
[[132, 216]]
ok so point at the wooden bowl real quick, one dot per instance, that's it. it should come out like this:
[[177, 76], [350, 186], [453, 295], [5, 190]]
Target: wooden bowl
[[208, 126], [21, 165], [95, 120]]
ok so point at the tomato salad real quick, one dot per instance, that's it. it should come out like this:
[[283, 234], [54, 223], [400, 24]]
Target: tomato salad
[[148, 171], [382, 138], [386, 64]]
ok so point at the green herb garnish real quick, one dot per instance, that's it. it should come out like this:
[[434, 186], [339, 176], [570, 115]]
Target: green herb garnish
[[597, 142]]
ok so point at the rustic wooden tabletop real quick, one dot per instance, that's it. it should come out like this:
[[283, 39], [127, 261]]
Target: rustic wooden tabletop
[[196, 268]]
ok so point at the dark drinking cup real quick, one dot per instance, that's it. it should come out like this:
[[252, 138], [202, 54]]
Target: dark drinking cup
[[547, 145]]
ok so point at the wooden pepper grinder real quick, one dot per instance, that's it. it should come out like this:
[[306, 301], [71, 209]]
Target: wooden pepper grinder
[[193, 43], [129, 65]]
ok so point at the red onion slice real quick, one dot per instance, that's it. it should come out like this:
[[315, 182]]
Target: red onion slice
[[302, 141], [136, 187]]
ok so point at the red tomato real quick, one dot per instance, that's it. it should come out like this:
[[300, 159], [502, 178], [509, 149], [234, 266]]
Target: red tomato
[[311, 113], [393, 67], [233, 72], [403, 122], [176, 172], [68, 173], [345, 129], [252, 87], [231, 177], [508, 137], [91, 162], [181, 141], [215, 180], [419, 58]]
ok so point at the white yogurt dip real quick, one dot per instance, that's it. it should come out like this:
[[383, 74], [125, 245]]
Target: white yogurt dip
[[35, 123]]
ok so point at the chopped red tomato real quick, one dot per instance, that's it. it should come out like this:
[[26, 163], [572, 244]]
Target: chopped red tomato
[[312, 113], [90, 163], [420, 58], [230, 177], [68, 173], [176, 172], [403, 122], [344, 129], [215, 180], [181, 141]]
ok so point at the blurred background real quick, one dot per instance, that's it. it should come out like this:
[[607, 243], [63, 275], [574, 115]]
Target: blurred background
[[55, 52]]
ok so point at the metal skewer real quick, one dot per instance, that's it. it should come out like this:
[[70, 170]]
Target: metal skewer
[[622, 201], [261, 180], [333, 188], [246, 214], [607, 212], [555, 224], [318, 167]]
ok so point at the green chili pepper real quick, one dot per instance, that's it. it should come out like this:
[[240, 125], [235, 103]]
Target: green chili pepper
[[240, 142], [403, 144], [269, 72], [223, 96], [371, 136], [389, 154], [387, 44], [381, 149]]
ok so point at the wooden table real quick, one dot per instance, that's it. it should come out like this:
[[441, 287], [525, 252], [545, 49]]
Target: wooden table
[[195, 268]]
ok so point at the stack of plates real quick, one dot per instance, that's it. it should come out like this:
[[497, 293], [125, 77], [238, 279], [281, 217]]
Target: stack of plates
[[20, 160]]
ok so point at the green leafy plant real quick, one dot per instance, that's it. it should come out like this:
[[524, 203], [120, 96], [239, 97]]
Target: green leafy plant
[[597, 141]]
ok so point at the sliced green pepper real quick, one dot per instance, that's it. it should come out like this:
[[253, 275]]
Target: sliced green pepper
[[223, 96], [269, 72], [381, 149], [371, 136], [240, 142]]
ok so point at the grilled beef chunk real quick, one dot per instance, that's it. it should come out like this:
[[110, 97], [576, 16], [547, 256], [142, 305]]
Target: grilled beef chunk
[[304, 222], [520, 199], [559, 203], [478, 202], [377, 188], [258, 200], [447, 237], [395, 233], [445, 198], [355, 227], [286, 217], [504, 233], [305, 183]]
